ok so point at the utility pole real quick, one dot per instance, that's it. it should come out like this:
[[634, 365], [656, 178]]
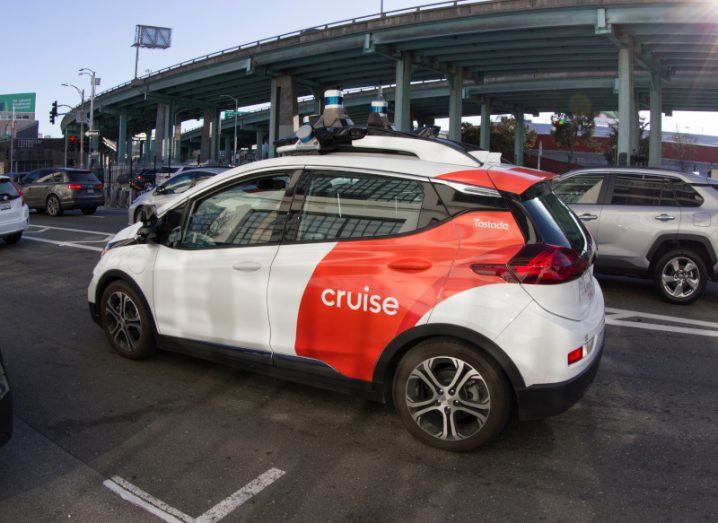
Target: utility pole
[[94, 81], [12, 137]]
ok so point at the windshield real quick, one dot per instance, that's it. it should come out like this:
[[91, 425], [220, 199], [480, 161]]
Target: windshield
[[82, 176], [8, 189]]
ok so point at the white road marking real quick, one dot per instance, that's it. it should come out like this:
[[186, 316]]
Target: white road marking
[[145, 501], [251, 489], [62, 244], [85, 231], [621, 318], [138, 497]]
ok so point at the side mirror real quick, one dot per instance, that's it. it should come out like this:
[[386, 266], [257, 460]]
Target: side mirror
[[150, 225]]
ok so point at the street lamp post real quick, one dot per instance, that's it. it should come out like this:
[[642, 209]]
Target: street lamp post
[[236, 110], [81, 92], [94, 81]]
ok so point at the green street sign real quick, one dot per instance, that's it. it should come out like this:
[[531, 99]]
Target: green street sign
[[21, 102]]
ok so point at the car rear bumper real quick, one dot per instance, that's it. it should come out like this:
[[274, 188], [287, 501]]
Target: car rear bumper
[[18, 224], [543, 401], [79, 203]]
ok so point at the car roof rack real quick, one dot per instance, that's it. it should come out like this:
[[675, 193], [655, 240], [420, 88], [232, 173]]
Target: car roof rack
[[323, 140]]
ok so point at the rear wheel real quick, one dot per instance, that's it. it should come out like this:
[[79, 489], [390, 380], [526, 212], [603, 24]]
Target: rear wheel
[[13, 238], [89, 210], [450, 396], [681, 276], [127, 323], [52, 206]]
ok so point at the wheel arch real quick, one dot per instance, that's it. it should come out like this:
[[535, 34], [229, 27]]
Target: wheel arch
[[117, 275], [667, 242], [404, 342]]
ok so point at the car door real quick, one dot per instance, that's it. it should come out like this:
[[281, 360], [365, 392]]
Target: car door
[[211, 285], [584, 193], [641, 208], [360, 263]]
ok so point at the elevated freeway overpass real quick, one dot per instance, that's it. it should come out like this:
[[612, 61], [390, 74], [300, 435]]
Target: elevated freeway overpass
[[471, 58]]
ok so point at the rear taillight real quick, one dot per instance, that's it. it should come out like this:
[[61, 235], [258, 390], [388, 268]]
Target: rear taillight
[[74, 186], [538, 264], [18, 188]]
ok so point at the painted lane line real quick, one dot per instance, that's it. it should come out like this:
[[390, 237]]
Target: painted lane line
[[622, 313], [251, 489], [45, 227], [145, 501], [62, 244], [621, 318]]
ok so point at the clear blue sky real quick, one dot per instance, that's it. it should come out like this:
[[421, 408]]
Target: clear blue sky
[[52, 40]]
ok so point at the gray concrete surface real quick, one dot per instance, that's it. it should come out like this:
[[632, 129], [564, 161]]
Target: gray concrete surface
[[642, 445]]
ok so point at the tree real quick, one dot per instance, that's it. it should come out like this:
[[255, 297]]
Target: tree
[[569, 129], [643, 143], [503, 136], [685, 147]]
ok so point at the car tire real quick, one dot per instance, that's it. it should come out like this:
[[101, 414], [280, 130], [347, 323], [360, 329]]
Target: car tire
[[126, 321], [52, 206], [457, 419], [89, 210], [13, 238], [681, 276]]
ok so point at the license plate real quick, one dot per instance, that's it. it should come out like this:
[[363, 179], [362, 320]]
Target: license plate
[[5, 207], [90, 191], [585, 285]]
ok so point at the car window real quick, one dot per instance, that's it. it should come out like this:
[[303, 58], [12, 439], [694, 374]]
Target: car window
[[82, 176], [243, 214], [686, 195], [177, 185], [50, 178], [7, 189], [580, 189], [641, 189], [345, 205]]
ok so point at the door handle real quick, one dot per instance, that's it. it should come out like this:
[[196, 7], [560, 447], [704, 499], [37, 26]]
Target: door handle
[[410, 264], [665, 217], [586, 217], [247, 266]]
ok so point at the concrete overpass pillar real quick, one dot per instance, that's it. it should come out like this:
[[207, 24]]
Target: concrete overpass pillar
[[260, 140], [402, 96], [456, 86], [122, 139], [626, 103], [519, 139], [284, 111], [485, 140], [162, 132], [656, 136], [205, 146], [216, 131]]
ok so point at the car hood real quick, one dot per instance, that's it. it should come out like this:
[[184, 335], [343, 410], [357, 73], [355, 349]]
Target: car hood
[[127, 233]]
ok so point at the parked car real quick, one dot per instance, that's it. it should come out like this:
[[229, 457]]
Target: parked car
[[410, 273], [144, 180], [16, 177], [170, 189], [14, 214], [5, 405], [649, 223], [65, 189], [37, 173]]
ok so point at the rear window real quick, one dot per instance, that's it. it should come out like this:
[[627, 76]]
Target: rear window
[[82, 177], [8, 189], [554, 222]]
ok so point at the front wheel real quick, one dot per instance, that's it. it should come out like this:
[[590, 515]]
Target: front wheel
[[681, 276], [450, 396], [13, 238], [127, 323], [89, 210]]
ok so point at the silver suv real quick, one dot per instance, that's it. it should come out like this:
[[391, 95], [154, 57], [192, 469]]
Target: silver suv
[[649, 223]]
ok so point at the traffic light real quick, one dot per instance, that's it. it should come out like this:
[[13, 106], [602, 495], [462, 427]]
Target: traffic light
[[53, 112]]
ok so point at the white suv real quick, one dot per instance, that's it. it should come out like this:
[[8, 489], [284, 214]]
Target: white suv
[[14, 214], [424, 279]]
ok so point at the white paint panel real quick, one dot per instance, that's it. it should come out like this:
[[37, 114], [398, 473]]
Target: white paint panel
[[291, 271], [200, 295]]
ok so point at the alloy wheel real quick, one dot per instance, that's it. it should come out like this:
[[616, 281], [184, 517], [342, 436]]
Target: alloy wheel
[[448, 398], [680, 277], [53, 206], [123, 321]]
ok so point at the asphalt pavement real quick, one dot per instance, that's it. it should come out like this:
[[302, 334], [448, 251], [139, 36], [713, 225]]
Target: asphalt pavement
[[202, 439]]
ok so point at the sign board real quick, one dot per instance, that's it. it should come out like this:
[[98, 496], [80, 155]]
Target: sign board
[[152, 37], [22, 102], [229, 114], [90, 134]]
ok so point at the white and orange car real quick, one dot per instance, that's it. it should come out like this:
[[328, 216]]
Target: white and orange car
[[401, 268]]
